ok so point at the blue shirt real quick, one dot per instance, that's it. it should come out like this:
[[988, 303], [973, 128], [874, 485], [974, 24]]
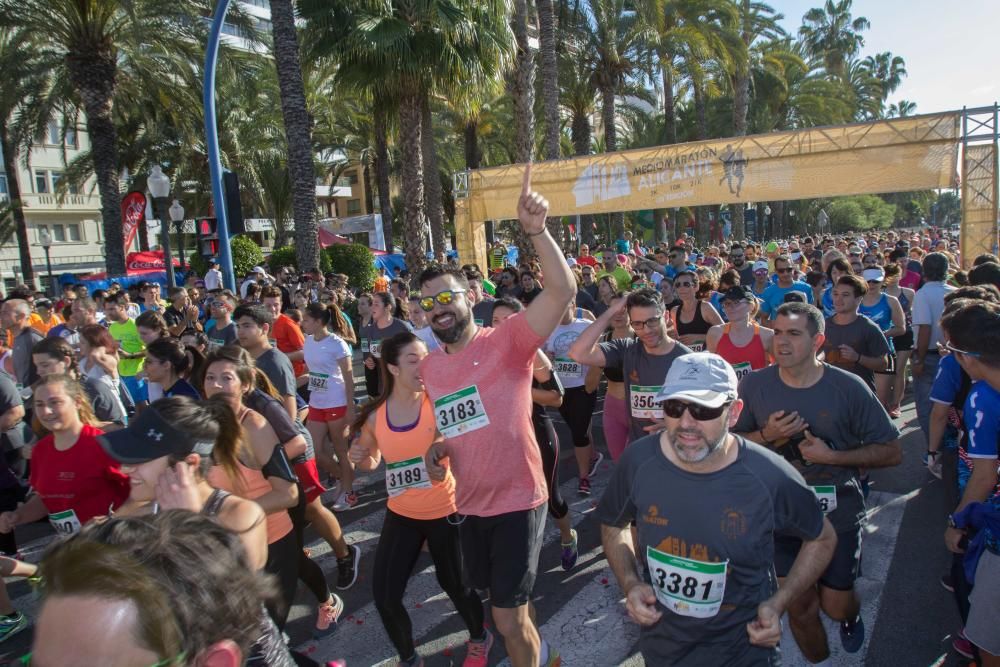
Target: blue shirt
[[671, 273], [947, 389], [982, 421], [774, 296]]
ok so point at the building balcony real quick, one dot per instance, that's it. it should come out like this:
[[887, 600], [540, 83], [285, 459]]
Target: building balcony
[[332, 191], [48, 203]]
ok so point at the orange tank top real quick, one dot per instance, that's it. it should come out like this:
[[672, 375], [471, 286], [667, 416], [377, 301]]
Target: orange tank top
[[750, 357], [403, 447], [254, 485]]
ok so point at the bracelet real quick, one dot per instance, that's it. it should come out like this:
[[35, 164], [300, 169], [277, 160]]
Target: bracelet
[[544, 229], [935, 453], [764, 438]]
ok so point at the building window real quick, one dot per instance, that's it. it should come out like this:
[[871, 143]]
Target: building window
[[41, 182], [69, 233], [73, 233], [54, 133], [55, 177], [71, 138], [353, 206], [352, 178], [3, 186]]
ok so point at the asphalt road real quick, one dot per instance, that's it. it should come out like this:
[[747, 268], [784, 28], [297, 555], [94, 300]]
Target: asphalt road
[[909, 616]]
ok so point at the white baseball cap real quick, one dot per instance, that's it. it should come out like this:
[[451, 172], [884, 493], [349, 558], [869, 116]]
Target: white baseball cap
[[704, 378], [760, 265]]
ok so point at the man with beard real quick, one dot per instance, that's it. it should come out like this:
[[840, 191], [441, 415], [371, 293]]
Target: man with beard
[[828, 424], [707, 506], [480, 386], [738, 258], [644, 360]]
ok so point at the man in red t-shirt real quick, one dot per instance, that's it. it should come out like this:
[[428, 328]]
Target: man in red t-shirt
[[286, 334], [585, 257], [481, 388]]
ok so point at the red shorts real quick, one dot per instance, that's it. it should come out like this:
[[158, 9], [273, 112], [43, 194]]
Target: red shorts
[[326, 414], [309, 479]]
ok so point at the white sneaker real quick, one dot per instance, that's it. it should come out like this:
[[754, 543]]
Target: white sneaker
[[345, 501]]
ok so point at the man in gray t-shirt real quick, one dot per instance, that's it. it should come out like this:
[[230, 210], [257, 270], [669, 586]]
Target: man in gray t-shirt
[[707, 506], [644, 360], [828, 424], [853, 342]]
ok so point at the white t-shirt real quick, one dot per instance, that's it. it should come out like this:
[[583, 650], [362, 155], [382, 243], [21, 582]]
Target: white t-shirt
[[571, 373], [326, 382]]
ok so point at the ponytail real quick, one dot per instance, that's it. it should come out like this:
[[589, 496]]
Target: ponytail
[[212, 420], [333, 319]]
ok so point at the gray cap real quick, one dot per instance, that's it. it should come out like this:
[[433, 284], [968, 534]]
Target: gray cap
[[701, 377]]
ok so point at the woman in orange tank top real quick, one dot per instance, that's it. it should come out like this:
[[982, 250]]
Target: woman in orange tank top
[[266, 476], [399, 426], [742, 342]]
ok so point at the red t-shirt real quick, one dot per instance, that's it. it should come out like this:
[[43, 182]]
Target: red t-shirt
[[497, 467], [589, 260], [288, 338], [83, 478]]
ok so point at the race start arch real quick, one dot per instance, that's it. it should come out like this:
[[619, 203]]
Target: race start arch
[[913, 153]]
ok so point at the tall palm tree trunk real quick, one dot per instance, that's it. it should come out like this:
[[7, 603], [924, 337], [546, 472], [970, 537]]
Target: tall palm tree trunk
[[669, 106], [382, 172], [702, 231], [522, 90], [17, 209], [611, 145], [93, 75], [298, 132], [432, 177], [580, 133], [413, 182], [470, 137], [550, 95]]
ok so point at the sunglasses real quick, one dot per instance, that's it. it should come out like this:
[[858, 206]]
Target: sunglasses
[[955, 350], [684, 283], [642, 324], [788, 270], [675, 408], [444, 298]]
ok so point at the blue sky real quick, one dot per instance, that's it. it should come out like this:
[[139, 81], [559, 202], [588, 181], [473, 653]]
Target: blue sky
[[950, 46]]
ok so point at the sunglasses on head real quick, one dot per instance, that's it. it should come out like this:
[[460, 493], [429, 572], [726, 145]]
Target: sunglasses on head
[[674, 408], [444, 298]]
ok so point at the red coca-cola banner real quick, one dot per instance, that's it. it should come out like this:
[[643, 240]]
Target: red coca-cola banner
[[133, 210]]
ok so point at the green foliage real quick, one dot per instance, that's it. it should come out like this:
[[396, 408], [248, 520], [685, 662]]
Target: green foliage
[[356, 262], [198, 263], [285, 256], [246, 255], [860, 213]]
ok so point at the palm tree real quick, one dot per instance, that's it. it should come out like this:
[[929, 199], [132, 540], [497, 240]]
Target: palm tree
[[298, 131], [549, 69], [398, 50], [580, 101], [833, 34], [613, 39], [100, 42], [23, 83], [901, 109], [433, 195], [888, 70], [521, 86]]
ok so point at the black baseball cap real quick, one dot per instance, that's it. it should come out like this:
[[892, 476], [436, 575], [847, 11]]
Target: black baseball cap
[[795, 296], [737, 293], [149, 436]]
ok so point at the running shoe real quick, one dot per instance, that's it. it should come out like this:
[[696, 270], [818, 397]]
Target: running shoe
[[347, 567], [11, 625], [327, 616], [345, 501], [963, 646], [594, 462], [948, 583], [852, 634], [554, 659], [570, 552], [478, 653], [584, 488]]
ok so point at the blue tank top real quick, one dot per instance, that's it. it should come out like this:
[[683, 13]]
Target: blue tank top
[[827, 301], [880, 314]]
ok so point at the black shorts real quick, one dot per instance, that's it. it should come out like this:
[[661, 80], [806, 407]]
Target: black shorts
[[842, 571], [500, 553], [903, 343], [891, 368], [576, 410]]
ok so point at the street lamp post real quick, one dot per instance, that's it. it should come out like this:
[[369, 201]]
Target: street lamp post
[[46, 240], [177, 217], [159, 188], [770, 222]]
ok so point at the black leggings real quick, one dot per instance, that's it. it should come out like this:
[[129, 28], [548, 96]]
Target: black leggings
[[548, 445], [577, 408], [397, 553], [283, 563], [310, 573]]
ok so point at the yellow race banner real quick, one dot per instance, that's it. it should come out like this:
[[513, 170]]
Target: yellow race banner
[[914, 153]]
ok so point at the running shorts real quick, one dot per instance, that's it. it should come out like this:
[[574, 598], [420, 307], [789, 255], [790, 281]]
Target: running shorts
[[501, 554], [891, 368], [309, 478], [903, 343], [843, 569], [326, 414], [984, 604]]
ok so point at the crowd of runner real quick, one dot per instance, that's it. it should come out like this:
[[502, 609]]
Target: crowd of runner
[[179, 447]]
